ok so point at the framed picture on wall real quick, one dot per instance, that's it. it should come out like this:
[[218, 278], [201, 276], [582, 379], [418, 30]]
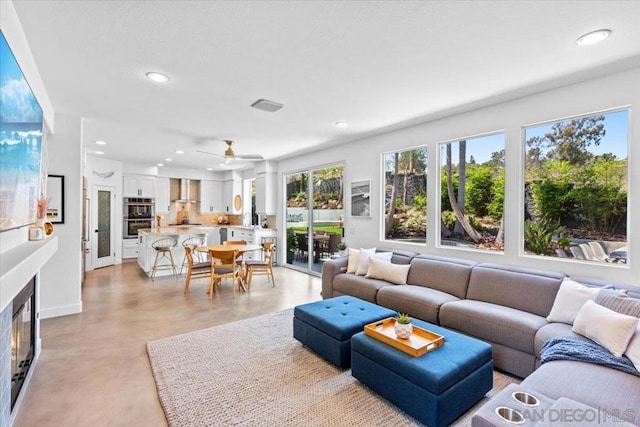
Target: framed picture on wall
[[55, 194], [361, 198]]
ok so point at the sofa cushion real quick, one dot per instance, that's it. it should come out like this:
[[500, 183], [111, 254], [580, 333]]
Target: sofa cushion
[[449, 275], [592, 385], [363, 261], [606, 327], [399, 256], [569, 300], [633, 350], [632, 291], [383, 270], [496, 323], [354, 258], [524, 289], [618, 302], [358, 286], [548, 331], [417, 301]]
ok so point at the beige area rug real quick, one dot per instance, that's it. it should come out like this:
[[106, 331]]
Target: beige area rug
[[252, 372]]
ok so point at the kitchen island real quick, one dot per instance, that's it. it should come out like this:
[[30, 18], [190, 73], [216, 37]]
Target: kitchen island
[[147, 255], [210, 234]]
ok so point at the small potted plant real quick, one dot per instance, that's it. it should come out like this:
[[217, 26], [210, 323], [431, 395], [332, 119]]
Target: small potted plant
[[342, 248], [403, 326]]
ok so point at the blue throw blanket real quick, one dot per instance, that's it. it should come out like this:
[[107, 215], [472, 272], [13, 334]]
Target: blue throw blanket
[[584, 350]]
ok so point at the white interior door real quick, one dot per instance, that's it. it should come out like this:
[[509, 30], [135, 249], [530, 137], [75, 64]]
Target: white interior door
[[103, 230]]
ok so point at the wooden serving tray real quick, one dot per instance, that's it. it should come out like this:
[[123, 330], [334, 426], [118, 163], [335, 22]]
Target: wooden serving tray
[[419, 343]]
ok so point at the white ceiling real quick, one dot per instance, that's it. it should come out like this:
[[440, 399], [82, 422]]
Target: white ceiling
[[377, 65]]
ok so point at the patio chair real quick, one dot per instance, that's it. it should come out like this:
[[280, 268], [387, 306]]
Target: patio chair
[[303, 246], [599, 252], [576, 252], [588, 252]]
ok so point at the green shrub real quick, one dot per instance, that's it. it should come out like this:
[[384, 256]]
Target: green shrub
[[539, 234]]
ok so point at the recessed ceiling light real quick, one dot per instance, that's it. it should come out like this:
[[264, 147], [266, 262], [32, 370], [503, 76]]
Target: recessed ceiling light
[[160, 164], [168, 160], [593, 37], [101, 143], [179, 152], [342, 124], [157, 77], [209, 169], [99, 152]]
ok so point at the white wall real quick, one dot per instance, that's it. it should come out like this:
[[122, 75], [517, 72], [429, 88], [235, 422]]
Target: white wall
[[362, 161], [14, 34], [60, 290]]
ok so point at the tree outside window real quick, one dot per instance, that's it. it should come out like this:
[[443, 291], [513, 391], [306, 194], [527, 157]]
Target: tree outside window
[[576, 186], [405, 202], [472, 192]]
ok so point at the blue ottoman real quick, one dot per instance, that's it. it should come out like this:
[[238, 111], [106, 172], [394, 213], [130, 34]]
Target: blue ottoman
[[326, 326], [435, 388]]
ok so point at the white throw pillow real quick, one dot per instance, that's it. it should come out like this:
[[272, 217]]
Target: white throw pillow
[[633, 350], [606, 327], [363, 261], [384, 270], [354, 257], [569, 300]]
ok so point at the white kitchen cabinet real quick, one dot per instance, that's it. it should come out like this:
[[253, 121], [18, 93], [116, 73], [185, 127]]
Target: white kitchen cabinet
[[266, 193], [138, 186], [129, 248], [213, 236], [162, 195], [232, 188], [210, 196]]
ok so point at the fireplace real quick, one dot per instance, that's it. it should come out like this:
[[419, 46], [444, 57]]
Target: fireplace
[[22, 337]]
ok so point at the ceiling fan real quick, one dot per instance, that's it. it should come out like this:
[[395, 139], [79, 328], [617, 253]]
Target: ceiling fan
[[230, 155]]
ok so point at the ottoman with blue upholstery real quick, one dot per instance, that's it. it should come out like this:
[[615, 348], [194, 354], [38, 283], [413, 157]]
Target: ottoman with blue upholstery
[[326, 326], [435, 388]]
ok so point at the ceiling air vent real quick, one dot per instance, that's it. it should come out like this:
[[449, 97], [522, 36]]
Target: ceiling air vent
[[266, 105]]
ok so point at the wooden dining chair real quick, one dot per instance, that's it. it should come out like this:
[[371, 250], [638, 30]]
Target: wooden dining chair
[[260, 267], [194, 270], [240, 260], [224, 266], [192, 242]]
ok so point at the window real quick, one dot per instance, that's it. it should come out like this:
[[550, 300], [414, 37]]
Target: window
[[575, 188], [405, 202], [472, 192]]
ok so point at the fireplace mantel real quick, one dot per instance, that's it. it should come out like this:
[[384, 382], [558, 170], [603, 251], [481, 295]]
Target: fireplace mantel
[[21, 263]]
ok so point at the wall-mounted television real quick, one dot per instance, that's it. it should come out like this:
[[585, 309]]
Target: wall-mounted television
[[20, 144]]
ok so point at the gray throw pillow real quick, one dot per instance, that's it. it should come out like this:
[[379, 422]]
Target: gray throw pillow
[[618, 302]]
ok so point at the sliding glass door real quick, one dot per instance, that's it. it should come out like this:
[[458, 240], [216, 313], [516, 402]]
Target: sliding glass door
[[314, 224]]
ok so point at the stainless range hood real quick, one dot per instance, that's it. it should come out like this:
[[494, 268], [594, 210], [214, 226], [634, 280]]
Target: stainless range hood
[[186, 195]]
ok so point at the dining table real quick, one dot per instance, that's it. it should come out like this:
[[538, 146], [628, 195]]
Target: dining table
[[241, 248]]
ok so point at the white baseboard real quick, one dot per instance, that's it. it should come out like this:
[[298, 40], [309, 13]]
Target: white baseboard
[[46, 313]]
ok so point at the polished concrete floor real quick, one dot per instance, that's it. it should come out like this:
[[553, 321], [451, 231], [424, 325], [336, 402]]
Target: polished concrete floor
[[93, 369]]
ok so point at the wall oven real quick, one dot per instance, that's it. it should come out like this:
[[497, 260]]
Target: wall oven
[[138, 213]]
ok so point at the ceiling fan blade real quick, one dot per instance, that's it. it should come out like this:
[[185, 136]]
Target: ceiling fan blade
[[249, 157], [210, 153]]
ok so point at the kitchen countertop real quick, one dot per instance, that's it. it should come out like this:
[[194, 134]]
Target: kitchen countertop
[[195, 229]]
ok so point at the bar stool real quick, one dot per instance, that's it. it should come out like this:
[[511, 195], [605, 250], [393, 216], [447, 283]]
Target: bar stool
[[193, 243], [163, 249]]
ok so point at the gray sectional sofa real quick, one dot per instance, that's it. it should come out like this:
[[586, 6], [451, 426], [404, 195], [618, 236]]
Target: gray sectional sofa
[[503, 305]]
